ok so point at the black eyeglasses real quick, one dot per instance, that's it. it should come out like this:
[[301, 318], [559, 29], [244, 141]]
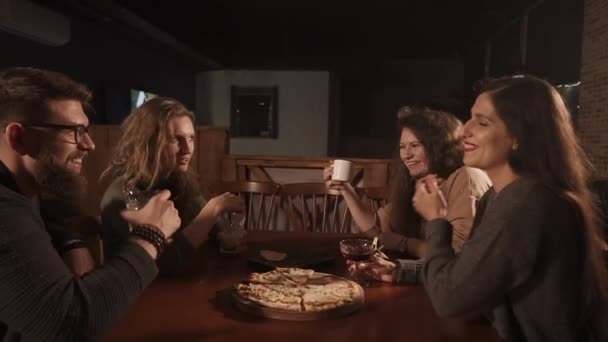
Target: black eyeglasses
[[79, 130]]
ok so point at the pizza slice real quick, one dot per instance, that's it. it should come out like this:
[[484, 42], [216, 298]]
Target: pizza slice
[[297, 275], [273, 296], [330, 296], [272, 277], [283, 275]]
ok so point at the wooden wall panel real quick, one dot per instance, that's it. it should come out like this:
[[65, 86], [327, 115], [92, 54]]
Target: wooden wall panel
[[213, 146], [242, 167]]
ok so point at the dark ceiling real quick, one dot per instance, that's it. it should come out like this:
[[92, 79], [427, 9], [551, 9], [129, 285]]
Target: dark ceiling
[[318, 34], [289, 34]]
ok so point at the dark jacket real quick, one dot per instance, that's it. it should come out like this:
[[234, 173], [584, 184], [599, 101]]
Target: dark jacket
[[522, 266], [41, 299]]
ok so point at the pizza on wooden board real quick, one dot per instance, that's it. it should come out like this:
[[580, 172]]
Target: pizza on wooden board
[[300, 290]]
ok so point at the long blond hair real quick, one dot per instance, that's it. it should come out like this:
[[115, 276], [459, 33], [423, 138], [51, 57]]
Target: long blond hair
[[140, 156]]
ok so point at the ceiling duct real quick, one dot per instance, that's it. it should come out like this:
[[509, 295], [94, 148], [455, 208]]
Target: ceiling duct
[[110, 11], [28, 20]]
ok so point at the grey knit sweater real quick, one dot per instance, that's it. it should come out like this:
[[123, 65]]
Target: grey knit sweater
[[40, 298], [521, 266]]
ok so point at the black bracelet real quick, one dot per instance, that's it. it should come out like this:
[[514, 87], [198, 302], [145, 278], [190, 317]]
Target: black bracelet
[[71, 245], [152, 234]]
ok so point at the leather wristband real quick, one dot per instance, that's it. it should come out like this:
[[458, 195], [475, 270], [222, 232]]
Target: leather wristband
[[152, 234], [71, 245]]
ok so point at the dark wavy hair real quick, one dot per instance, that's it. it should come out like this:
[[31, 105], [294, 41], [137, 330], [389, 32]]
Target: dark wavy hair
[[440, 133], [535, 114]]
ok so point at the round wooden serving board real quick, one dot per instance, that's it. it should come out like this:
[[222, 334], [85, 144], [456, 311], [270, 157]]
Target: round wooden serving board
[[282, 314]]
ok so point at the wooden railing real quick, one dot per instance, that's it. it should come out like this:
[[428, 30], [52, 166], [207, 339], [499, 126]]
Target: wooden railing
[[368, 172]]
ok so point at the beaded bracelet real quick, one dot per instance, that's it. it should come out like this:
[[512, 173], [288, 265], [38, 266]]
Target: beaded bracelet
[[152, 234]]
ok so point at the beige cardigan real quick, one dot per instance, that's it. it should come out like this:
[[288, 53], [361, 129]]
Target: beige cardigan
[[462, 190]]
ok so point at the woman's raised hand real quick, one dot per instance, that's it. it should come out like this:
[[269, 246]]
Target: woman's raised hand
[[331, 184], [428, 200]]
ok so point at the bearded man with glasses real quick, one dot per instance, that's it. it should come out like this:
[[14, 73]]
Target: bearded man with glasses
[[43, 142]]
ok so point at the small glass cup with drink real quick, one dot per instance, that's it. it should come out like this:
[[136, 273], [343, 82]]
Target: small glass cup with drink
[[357, 250], [136, 199], [232, 234]]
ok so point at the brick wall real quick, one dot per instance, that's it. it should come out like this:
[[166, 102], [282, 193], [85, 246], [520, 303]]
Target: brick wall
[[593, 116]]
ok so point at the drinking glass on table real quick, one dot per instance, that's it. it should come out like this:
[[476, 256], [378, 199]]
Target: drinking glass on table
[[357, 250], [232, 233]]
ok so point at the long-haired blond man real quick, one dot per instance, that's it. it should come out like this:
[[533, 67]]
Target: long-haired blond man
[[154, 153]]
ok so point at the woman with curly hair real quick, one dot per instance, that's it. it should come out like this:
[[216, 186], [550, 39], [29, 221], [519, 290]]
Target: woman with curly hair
[[430, 144]]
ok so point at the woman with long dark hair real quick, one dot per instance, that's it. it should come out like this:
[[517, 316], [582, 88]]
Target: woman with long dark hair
[[534, 262]]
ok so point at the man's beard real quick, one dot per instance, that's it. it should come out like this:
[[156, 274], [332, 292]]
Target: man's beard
[[57, 180]]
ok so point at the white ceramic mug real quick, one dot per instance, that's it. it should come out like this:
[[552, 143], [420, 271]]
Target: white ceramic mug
[[342, 170]]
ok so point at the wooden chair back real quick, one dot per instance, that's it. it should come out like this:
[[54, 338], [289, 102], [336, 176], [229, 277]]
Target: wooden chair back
[[316, 208], [261, 201]]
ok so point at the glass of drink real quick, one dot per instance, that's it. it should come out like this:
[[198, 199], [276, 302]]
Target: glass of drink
[[357, 250], [136, 199], [232, 233]]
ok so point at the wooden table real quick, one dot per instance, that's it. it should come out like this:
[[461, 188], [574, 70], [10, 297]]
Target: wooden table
[[199, 308]]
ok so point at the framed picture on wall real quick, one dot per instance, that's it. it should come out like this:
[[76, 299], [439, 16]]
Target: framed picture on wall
[[253, 112]]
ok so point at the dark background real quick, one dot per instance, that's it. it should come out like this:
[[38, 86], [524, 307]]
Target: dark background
[[380, 55]]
